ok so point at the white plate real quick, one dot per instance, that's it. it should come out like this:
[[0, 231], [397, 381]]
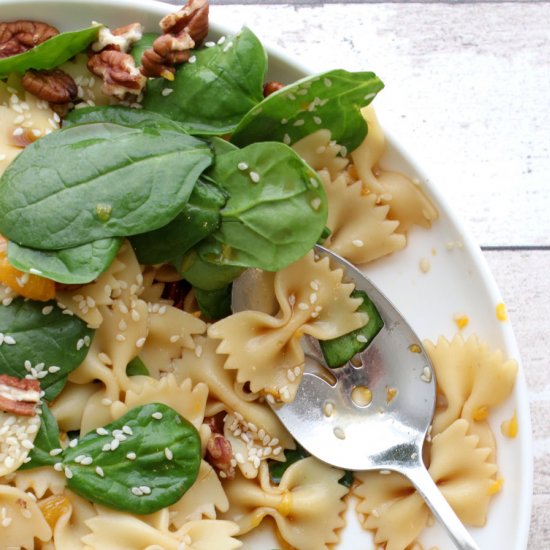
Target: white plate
[[458, 282]]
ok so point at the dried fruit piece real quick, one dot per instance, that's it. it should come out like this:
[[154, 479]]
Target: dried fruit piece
[[271, 87], [53, 508]]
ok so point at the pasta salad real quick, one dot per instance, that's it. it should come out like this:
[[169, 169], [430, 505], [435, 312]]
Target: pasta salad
[[148, 178]]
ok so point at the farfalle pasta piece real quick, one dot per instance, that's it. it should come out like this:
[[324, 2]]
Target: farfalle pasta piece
[[40, 481], [266, 350], [69, 406], [119, 531], [307, 505], [21, 521], [321, 153], [201, 500], [471, 380], [390, 506], [204, 365], [360, 230], [17, 434], [187, 400], [407, 201]]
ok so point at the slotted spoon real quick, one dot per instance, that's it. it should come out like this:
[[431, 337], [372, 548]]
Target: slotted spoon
[[374, 412]]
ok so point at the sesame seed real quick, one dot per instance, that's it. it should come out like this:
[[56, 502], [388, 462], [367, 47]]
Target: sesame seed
[[145, 489], [120, 338], [227, 47], [209, 44], [58, 466], [299, 122], [53, 369], [174, 338], [277, 451], [239, 458], [55, 452], [370, 96], [137, 491], [361, 338], [198, 350], [9, 340], [127, 430], [47, 310], [255, 177], [314, 182], [297, 371], [131, 456], [327, 82], [312, 298], [18, 132], [106, 401], [286, 139], [290, 375], [135, 316], [86, 461], [358, 243], [140, 342], [315, 203], [106, 448], [317, 120], [73, 443], [256, 462], [114, 444], [80, 344], [6, 522], [157, 415], [192, 59], [68, 472], [99, 471], [221, 40], [167, 91], [168, 454], [104, 358], [101, 431], [242, 166], [303, 306]]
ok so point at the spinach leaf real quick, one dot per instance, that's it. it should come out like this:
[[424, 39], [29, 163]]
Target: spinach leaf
[[340, 350], [277, 469], [330, 100], [77, 265], [221, 146], [136, 367], [51, 53], [167, 458], [93, 181], [214, 304], [125, 116], [199, 217], [46, 440], [276, 210], [38, 336], [144, 43], [211, 95], [202, 273]]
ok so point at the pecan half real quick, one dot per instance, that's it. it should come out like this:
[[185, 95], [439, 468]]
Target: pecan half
[[272, 86], [19, 396], [19, 36], [219, 454], [119, 73], [53, 86], [182, 31]]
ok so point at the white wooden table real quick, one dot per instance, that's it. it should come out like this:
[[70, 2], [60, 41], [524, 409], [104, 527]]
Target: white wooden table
[[468, 93]]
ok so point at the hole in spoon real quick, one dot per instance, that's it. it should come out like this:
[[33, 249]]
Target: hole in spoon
[[361, 396]]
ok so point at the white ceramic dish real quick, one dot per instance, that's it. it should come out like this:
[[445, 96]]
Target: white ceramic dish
[[458, 282]]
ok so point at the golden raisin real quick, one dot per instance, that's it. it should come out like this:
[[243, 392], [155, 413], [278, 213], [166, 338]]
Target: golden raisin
[[53, 508]]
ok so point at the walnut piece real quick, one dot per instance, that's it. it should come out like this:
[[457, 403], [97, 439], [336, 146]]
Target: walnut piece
[[19, 36], [54, 86], [182, 31], [119, 73], [271, 87], [19, 396], [219, 454]]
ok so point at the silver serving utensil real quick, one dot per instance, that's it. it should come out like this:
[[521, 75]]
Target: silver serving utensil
[[348, 418]]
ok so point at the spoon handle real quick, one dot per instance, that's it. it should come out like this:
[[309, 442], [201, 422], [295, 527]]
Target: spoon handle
[[441, 509]]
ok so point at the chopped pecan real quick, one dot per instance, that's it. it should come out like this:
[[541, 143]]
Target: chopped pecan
[[220, 454], [19, 36], [121, 39], [19, 396], [119, 73], [272, 86], [53, 86], [182, 31]]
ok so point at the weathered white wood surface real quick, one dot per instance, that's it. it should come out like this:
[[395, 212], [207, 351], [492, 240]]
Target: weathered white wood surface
[[468, 94]]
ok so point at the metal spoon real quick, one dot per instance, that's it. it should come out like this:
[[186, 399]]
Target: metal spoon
[[334, 417]]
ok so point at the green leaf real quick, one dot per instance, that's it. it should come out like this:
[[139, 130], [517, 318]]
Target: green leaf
[[204, 274], [330, 100], [125, 116], [276, 210], [151, 439], [51, 53], [93, 181], [136, 367], [199, 217], [214, 304], [46, 440], [77, 265], [340, 350], [144, 43], [44, 338], [212, 95]]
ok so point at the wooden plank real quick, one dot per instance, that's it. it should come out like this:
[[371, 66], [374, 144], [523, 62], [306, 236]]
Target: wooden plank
[[467, 91]]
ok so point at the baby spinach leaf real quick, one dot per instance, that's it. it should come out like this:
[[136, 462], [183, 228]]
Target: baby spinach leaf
[[276, 210], [212, 94], [51, 53], [331, 100], [136, 367], [93, 181], [340, 350], [46, 440], [77, 265], [214, 304], [144, 43], [202, 273], [150, 481], [199, 217], [125, 116], [38, 336]]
